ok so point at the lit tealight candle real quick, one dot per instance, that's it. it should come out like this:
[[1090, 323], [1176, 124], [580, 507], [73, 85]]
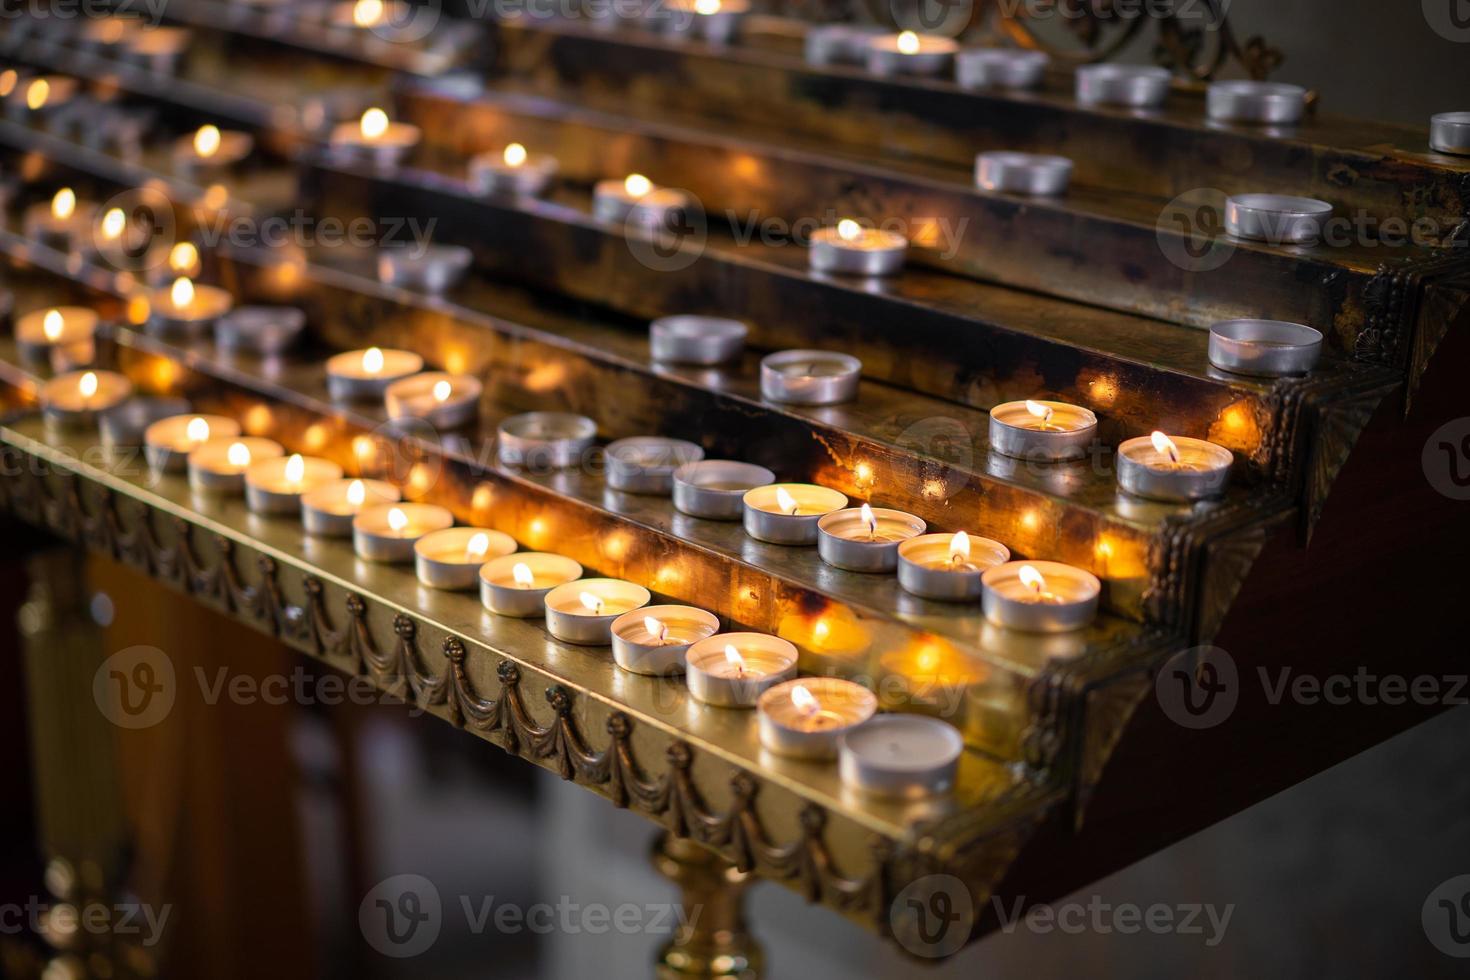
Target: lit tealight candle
[[947, 566], [787, 513], [900, 756], [210, 151], [445, 401], [732, 670], [908, 53], [388, 532], [168, 442], [1039, 596], [652, 640], [865, 539], [1042, 430], [1179, 469], [810, 377], [276, 486], [74, 399], [512, 172], [186, 308], [327, 510], [848, 248], [517, 585], [364, 375], [62, 223], [218, 465], [62, 337], [714, 20], [804, 718], [582, 612], [451, 558], [374, 139], [636, 198]]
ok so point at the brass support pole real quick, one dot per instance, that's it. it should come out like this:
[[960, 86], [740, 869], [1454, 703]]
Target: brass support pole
[[713, 939]]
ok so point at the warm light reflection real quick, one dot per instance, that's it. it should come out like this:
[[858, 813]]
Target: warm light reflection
[[374, 124], [546, 376], [637, 185], [37, 94], [113, 223], [315, 437], [258, 418], [514, 155], [206, 140], [216, 196], [183, 258], [863, 472], [8, 78]]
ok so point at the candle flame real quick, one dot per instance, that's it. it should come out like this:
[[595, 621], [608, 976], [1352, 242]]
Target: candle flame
[[374, 123], [959, 547], [637, 185], [397, 520], [785, 501], [656, 629], [113, 223], [63, 204], [197, 430], [183, 257], [295, 468], [1032, 579], [515, 155], [238, 454], [88, 385], [805, 701], [51, 325], [522, 575], [1165, 446], [366, 13], [869, 521], [849, 230], [37, 93], [181, 293], [372, 360], [734, 659], [908, 43], [706, 7], [592, 603], [441, 391], [206, 140], [356, 493], [477, 546], [1043, 412]]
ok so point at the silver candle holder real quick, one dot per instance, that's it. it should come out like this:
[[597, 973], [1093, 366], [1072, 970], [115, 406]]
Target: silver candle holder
[[517, 585], [865, 539], [804, 718], [537, 440], [511, 172], [74, 400], [714, 489], [364, 375], [445, 401], [1449, 132], [387, 533], [275, 486], [1037, 174], [373, 140], [63, 223], [646, 464], [1130, 86], [692, 339], [583, 611], [810, 377], [1261, 103], [732, 670], [1043, 431], [831, 44], [218, 466], [327, 510], [849, 249], [210, 153], [186, 308], [1276, 218], [451, 559], [433, 269], [60, 337], [263, 330], [653, 640], [1012, 68], [787, 513], [900, 756], [1175, 469], [948, 567], [1264, 348], [1039, 596], [167, 442], [908, 53]]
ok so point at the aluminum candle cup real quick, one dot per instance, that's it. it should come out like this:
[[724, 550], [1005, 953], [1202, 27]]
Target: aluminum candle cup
[[804, 718], [714, 489], [511, 172], [732, 670], [900, 756], [74, 399], [544, 439], [652, 640], [1042, 430], [452, 558], [1266, 103], [364, 375], [1023, 173], [1276, 218], [123, 425], [1132, 86], [275, 486], [787, 513], [690, 339], [646, 464], [219, 465], [830, 44], [186, 308], [260, 329], [849, 249], [635, 197], [1039, 596], [432, 269], [947, 567], [60, 337], [810, 377], [1175, 469], [327, 510], [516, 585], [907, 53], [583, 611], [980, 68], [865, 539], [717, 21], [373, 140], [1264, 348], [1449, 132], [445, 401], [168, 442], [388, 532], [62, 223], [209, 152]]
